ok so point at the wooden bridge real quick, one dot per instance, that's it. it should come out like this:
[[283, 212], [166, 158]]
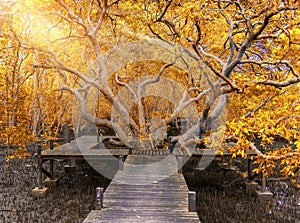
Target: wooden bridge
[[148, 187]]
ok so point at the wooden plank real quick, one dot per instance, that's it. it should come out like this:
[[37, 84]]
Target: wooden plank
[[149, 189], [146, 216], [88, 146], [85, 146]]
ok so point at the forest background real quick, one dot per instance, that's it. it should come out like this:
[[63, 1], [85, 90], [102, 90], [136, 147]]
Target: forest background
[[239, 57]]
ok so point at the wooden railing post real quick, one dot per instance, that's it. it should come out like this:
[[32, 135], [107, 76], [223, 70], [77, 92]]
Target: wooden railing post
[[39, 180], [121, 162], [51, 161], [99, 198], [98, 137], [180, 164], [192, 201], [263, 194]]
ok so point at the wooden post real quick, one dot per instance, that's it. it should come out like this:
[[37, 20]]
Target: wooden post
[[179, 163], [121, 162], [99, 198], [170, 145], [98, 137], [51, 162], [39, 181], [192, 201], [51, 144], [263, 194]]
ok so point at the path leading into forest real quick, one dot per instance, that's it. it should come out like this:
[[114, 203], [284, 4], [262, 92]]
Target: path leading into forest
[[148, 189]]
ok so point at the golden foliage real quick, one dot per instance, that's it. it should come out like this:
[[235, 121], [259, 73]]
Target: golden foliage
[[43, 40]]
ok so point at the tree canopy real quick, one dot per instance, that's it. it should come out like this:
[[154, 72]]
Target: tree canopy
[[230, 68]]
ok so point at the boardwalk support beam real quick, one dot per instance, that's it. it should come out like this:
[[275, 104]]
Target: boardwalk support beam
[[39, 191], [40, 167], [192, 201], [263, 194], [50, 181], [51, 162]]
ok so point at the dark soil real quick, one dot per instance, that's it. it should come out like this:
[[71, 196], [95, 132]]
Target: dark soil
[[216, 205], [221, 196], [70, 201], [74, 197]]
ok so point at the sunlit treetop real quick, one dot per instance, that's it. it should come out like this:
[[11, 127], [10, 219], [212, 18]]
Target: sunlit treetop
[[248, 52]]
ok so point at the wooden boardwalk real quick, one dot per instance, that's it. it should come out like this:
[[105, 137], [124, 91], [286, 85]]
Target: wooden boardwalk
[[149, 189], [104, 160], [146, 188], [85, 146]]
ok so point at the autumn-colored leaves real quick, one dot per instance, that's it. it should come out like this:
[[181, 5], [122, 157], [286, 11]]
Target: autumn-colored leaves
[[246, 49]]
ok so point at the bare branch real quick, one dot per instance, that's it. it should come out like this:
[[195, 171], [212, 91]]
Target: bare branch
[[280, 84], [277, 62], [126, 86], [218, 109], [253, 36], [167, 22], [231, 44], [60, 65], [184, 103], [72, 15], [287, 118], [225, 78], [100, 86], [89, 29], [211, 56], [217, 73], [157, 78], [275, 158], [84, 112], [269, 16], [165, 10]]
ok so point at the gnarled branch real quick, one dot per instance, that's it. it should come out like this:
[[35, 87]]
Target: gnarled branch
[[280, 84], [275, 157]]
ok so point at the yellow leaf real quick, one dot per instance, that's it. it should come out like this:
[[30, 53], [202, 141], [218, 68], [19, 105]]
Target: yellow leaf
[[243, 153], [291, 173], [297, 144], [257, 171], [245, 131], [206, 140]]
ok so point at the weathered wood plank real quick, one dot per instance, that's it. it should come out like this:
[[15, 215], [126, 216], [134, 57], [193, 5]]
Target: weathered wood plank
[[83, 146], [147, 216], [88, 146], [149, 189]]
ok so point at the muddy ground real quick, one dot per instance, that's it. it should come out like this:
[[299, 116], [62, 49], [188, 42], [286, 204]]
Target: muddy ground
[[74, 197]]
